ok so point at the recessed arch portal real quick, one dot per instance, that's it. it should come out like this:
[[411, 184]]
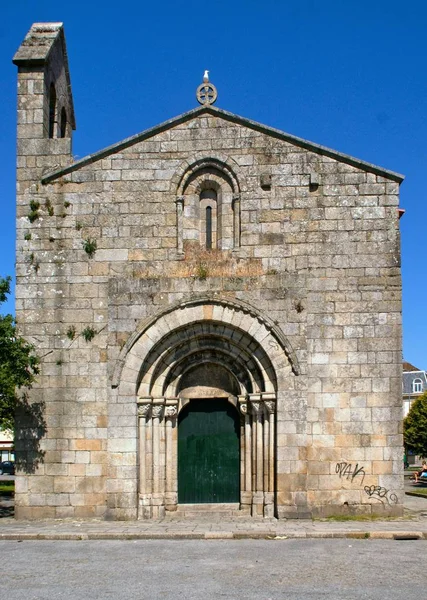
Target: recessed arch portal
[[206, 349]]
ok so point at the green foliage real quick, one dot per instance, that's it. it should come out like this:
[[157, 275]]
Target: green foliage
[[415, 426], [89, 247], [34, 262], [4, 288], [202, 271], [49, 208], [7, 488], [88, 333], [71, 332], [33, 215], [27, 236], [18, 364]]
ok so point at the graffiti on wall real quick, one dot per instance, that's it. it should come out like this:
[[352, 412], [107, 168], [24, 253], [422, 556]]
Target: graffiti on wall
[[376, 492], [381, 494], [347, 471]]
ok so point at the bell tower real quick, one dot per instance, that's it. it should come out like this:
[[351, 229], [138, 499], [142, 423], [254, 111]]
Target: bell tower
[[45, 102]]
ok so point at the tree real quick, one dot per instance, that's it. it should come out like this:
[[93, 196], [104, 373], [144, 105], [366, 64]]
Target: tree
[[415, 426], [18, 364]]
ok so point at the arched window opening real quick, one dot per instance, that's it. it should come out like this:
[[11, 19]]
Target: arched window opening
[[417, 386], [52, 110], [209, 228], [63, 125], [208, 184], [208, 218]]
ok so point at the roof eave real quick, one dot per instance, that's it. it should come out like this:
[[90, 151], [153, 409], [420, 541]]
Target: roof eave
[[317, 148]]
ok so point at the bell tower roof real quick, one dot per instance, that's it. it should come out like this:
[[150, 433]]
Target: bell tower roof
[[37, 44], [37, 50]]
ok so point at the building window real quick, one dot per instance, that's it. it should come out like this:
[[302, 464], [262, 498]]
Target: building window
[[208, 218], [417, 386], [52, 110], [63, 126], [209, 228]]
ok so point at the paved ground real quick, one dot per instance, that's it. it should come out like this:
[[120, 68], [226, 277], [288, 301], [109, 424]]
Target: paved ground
[[412, 525], [216, 569]]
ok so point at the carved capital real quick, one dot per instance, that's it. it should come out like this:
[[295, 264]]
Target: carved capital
[[244, 408], [270, 406], [179, 201], [143, 410], [256, 407], [171, 411], [157, 411]]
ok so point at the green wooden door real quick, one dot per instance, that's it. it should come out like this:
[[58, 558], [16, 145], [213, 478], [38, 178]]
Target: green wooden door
[[208, 452]]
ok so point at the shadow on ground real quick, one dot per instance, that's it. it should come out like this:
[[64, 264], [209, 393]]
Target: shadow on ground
[[7, 506]]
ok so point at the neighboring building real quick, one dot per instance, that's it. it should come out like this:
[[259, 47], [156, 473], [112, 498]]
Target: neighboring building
[[414, 385], [6, 445], [218, 307]]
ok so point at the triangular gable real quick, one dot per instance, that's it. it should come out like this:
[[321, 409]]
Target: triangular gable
[[217, 112]]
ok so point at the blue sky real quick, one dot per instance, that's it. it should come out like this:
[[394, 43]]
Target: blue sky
[[348, 75]]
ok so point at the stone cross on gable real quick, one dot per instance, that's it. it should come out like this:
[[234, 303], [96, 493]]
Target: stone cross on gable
[[206, 92]]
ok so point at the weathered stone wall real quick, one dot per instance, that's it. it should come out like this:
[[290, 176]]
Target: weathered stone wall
[[317, 252]]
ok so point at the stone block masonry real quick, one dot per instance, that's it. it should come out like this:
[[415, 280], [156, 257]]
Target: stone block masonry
[[208, 257]]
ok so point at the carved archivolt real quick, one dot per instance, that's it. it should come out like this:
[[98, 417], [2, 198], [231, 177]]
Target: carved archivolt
[[214, 162], [239, 317]]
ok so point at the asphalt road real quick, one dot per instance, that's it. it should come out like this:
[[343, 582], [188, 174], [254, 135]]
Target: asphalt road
[[221, 569]]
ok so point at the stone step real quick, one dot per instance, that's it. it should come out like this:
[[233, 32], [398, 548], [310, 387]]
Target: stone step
[[217, 506], [210, 511]]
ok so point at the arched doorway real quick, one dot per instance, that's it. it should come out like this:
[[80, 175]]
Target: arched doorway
[[196, 370], [208, 452], [205, 349]]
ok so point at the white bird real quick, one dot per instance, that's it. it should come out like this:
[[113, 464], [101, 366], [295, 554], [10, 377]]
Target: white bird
[[206, 77]]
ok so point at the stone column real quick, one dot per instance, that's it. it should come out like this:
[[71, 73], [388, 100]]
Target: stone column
[[179, 223], [144, 495], [171, 496], [258, 495], [158, 475], [270, 407], [266, 444], [246, 490]]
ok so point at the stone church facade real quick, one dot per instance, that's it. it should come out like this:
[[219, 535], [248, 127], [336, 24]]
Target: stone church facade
[[217, 305]]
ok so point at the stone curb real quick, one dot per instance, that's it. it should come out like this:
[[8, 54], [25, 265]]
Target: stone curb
[[217, 535], [416, 494]]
